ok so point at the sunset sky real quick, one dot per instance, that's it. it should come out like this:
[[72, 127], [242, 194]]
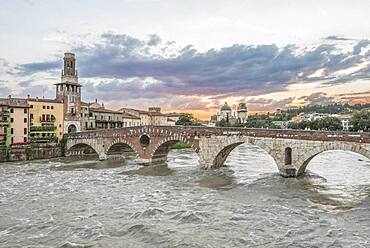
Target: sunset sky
[[190, 56]]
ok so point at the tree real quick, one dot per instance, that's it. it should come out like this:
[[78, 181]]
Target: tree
[[361, 120], [187, 119], [223, 123], [327, 123]]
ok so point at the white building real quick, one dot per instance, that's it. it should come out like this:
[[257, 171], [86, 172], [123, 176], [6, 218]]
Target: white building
[[225, 113], [242, 113]]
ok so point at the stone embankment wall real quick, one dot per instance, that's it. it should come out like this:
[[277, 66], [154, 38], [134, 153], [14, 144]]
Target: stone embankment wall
[[31, 152]]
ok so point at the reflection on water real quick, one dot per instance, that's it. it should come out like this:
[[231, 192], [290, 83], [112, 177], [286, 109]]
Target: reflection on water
[[89, 203]]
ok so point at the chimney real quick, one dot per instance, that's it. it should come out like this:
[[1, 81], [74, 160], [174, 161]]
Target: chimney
[[96, 100], [9, 96], [28, 96]]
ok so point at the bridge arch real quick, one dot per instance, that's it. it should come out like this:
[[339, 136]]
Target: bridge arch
[[82, 149], [163, 147], [224, 153], [120, 146], [304, 162]]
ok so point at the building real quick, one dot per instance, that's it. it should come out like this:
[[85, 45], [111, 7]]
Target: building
[[152, 117], [96, 116], [69, 92], [4, 124], [242, 113], [15, 116], [174, 116], [225, 113], [46, 119]]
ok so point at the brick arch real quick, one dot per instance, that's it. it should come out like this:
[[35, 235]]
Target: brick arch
[[80, 148], [355, 148], [121, 140], [162, 147]]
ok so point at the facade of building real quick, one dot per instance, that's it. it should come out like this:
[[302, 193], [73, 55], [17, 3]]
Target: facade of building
[[151, 117], [242, 113], [15, 116], [46, 120], [69, 92], [4, 124]]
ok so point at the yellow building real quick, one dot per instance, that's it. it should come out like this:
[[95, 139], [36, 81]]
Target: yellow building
[[46, 120]]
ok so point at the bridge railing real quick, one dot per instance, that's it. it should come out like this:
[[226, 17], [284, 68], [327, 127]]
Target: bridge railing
[[254, 132]]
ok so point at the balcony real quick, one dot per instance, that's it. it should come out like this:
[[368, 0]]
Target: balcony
[[43, 128], [4, 123], [47, 120], [4, 113], [46, 139]]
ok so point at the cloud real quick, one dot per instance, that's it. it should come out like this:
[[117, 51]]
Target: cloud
[[119, 66], [337, 38], [268, 104], [318, 98]]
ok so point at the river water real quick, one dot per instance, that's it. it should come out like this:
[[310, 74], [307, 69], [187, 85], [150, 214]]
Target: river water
[[60, 203]]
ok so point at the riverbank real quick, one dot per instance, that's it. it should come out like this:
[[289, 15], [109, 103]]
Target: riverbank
[[180, 145], [31, 152]]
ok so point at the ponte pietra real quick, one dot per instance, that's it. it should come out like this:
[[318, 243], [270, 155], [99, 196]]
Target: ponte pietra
[[291, 149]]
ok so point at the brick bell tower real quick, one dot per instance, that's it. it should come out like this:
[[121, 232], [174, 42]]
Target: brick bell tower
[[69, 91]]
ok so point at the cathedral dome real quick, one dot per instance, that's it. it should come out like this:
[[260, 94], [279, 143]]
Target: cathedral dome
[[225, 107]]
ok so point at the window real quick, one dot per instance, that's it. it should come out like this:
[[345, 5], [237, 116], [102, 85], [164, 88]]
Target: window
[[48, 107], [60, 125], [25, 111], [11, 131], [31, 116], [25, 130], [11, 120], [43, 107], [11, 110], [31, 106], [12, 140], [52, 107], [288, 156], [25, 120], [25, 139]]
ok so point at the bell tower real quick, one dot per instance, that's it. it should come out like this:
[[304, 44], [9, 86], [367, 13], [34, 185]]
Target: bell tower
[[69, 91]]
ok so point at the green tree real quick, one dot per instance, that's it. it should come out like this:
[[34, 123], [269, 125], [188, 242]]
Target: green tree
[[223, 123], [327, 123], [187, 119], [361, 120]]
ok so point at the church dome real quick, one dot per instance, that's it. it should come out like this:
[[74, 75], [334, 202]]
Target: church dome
[[225, 107]]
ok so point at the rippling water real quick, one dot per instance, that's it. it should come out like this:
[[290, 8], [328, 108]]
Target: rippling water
[[62, 203]]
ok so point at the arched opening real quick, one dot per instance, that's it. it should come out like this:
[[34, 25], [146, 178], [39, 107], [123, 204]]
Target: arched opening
[[243, 162], [122, 150], [144, 140], [175, 153], [288, 156], [331, 163], [337, 179], [72, 128], [244, 156], [82, 151]]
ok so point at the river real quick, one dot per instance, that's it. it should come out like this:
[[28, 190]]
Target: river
[[61, 203]]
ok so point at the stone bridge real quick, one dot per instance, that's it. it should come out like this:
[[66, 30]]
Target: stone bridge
[[292, 150]]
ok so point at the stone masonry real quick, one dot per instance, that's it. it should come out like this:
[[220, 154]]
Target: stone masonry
[[292, 150]]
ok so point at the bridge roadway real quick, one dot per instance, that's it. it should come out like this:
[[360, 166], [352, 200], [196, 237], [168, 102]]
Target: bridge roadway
[[292, 150]]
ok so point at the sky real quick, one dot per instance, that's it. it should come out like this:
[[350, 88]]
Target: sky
[[190, 56]]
